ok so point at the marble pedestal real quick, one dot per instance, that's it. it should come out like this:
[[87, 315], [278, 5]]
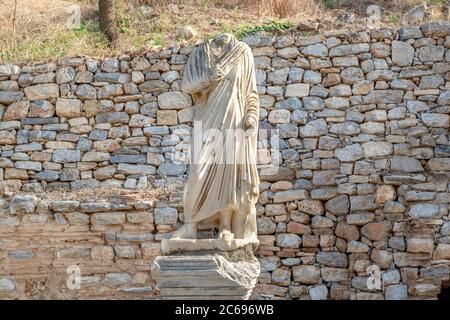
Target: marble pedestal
[[206, 269]]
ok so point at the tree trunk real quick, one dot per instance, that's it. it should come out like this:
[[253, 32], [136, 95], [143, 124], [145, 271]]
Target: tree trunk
[[107, 15]]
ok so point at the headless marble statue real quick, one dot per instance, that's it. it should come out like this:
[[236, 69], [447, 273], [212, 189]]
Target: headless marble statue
[[223, 180]]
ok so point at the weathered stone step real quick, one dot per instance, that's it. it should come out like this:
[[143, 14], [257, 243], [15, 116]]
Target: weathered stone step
[[204, 291], [187, 273], [196, 281]]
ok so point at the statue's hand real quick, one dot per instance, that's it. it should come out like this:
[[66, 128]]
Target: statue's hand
[[206, 83], [250, 123], [216, 73]]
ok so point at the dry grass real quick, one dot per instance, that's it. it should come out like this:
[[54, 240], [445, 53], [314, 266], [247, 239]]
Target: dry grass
[[41, 30], [42, 34], [393, 10], [276, 8], [388, 5]]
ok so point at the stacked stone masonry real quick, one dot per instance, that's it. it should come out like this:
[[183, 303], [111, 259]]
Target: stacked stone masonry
[[363, 135]]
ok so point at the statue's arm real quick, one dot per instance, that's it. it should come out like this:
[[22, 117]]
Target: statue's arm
[[192, 84], [252, 99], [251, 111], [198, 74]]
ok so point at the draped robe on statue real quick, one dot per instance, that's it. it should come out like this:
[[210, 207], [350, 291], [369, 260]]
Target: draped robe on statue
[[223, 174]]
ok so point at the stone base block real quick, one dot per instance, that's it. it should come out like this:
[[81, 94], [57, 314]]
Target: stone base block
[[228, 275], [172, 246]]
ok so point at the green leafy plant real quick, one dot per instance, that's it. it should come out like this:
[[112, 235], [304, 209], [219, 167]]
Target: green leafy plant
[[437, 2], [204, 3], [329, 4], [270, 26], [88, 34], [158, 39], [393, 18], [124, 20]]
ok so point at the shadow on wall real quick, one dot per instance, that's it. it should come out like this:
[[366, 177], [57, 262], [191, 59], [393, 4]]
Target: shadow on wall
[[445, 291]]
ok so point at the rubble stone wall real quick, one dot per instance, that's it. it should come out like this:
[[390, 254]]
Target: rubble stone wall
[[363, 147]]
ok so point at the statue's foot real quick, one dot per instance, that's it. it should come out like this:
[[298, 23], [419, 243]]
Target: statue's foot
[[226, 235], [186, 231]]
